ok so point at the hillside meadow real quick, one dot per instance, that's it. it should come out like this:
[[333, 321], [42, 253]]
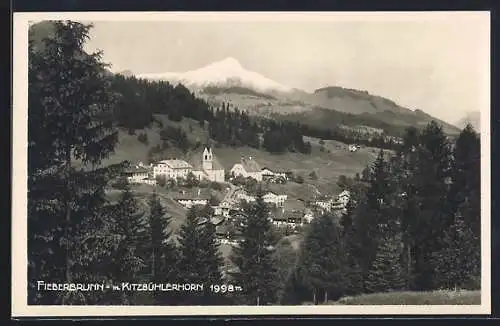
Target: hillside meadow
[[440, 297], [328, 160]]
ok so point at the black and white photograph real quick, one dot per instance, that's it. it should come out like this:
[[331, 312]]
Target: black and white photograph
[[251, 163]]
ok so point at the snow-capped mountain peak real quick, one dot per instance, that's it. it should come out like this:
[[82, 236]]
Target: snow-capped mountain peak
[[225, 73]]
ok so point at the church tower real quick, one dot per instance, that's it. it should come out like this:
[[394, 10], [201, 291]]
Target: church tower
[[207, 159]]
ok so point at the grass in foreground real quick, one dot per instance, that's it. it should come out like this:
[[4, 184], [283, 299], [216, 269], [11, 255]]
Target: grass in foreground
[[446, 297]]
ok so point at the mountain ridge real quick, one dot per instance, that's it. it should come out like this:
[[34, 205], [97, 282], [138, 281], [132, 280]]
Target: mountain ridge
[[263, 96], [227, 81], [225, 73]]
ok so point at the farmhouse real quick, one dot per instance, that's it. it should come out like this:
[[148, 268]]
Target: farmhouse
[[217, 220], [324, 203], [222, 209], [136, 174], [291, 218], [150, 181], [207, 167], [270, 198], [343, 197], [353, 148], [190, 200], [247, 168], [172, 169], [308, 215]]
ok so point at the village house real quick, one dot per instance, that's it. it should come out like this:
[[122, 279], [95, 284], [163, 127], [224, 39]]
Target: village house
[[353, 148], [227, 233], [172, 169], [247, 168], [308, 215], [208, 168], [289, 218], [272, 198], [222, 209], [217, 220], [139, 175], [268, 174], [150, 181], [343, 197], [190, 200], [269, 197], [324, 203]]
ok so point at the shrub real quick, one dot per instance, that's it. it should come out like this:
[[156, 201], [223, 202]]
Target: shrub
[[143, 138], [161, 180], [121, 183], [216, 186]]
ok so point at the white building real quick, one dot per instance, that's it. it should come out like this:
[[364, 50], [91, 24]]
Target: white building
[[308, 216], [149, 181], [270, 198], [267, 172], [136, 175], [324, 204], [278, 200], [353, 148], [343, 197], [222, 209], [190, 202], [172, 169], [247, 168], [210, 168]]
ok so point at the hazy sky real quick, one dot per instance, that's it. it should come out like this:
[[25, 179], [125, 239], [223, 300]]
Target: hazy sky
[[437, 65]]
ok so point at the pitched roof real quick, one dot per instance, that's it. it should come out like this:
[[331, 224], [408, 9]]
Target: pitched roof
[[176, 164], [193, 194], [136, 170], [250, 165], [216, 220]]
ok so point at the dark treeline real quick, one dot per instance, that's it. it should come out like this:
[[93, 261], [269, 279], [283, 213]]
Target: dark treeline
[[233, 128], [140, 99], [413, 221], [350, 137]]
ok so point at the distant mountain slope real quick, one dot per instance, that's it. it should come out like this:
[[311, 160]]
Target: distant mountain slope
[[226, 73], [229, 82]]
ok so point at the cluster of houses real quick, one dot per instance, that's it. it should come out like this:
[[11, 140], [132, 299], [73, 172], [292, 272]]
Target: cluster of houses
[[204, 167], [278, 200], [338, 203], [228, 213], [208, 168]]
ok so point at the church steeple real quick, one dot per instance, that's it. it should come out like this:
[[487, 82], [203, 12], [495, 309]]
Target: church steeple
[[207, 159]]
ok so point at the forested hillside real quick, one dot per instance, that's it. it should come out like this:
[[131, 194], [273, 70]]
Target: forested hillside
[[412, 223]]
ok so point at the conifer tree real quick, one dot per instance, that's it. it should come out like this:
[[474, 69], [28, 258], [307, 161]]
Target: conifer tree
[[200, 259], [457, 264], [353, 274], [386, 272], [70, 107], [465, 192], [322, 261], [286, 260], [254, 256], [430, 192], [129, 260], [161, 250], [373, 214]]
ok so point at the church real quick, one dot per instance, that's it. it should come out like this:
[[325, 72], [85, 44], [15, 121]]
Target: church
[[209, 168]]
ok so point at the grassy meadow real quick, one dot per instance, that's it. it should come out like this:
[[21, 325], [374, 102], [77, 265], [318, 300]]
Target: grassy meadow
[[441, 297]]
